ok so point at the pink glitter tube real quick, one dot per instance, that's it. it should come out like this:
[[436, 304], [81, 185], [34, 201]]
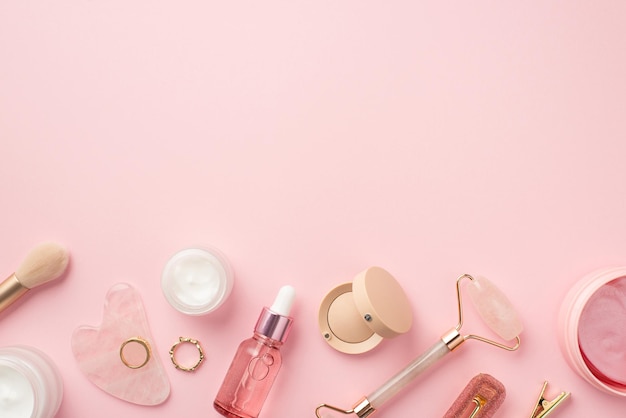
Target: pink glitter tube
[[481, 398], [592, 332]]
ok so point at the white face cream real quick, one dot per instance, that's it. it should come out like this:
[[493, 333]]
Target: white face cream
[[197, 281], [30, 384], [17, 397]]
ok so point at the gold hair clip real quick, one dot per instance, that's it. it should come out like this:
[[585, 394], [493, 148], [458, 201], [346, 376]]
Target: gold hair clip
[[143, 343], [545, 407], [190, 341]]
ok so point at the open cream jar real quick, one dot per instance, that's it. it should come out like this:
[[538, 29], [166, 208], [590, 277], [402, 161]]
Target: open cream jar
[[197, 281], [593, 329], [30, 384]]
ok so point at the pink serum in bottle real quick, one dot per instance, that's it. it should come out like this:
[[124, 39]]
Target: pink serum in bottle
[[257, 361]]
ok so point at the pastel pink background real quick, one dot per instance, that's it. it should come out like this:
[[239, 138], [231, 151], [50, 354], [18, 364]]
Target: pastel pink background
[[309, 140]]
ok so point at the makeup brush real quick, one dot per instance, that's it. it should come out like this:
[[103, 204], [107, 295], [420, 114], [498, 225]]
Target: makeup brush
[[44, 263]]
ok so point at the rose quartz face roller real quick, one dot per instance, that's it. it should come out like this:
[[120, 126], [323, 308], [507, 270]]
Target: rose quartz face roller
[[495, 310]]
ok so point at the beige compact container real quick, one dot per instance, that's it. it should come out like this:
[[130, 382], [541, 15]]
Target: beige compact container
[[355, 317]]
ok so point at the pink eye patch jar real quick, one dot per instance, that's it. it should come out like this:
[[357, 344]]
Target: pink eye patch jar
[[592, 330]]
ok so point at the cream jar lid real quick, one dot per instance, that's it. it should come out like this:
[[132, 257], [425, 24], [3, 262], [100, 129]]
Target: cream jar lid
[[355, 317], [196, 281]]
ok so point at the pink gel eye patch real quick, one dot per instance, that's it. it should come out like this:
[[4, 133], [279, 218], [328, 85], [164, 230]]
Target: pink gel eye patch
[[602, 332]]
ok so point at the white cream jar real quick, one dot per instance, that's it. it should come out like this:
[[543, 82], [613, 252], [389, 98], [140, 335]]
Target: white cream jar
[[30, 384], [197, 281]]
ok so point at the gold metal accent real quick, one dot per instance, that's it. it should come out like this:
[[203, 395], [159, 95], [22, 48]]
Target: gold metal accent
[[11, 290], [144, 344], [332, 408], [544, 407], [190, 341], [480, 402], [362, 409], [464, 338], [452, 339]]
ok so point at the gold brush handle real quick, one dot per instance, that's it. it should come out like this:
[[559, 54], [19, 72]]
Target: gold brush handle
[[10, 290]]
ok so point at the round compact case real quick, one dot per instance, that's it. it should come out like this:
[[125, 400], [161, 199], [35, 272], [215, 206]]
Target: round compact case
[[593, 329], [355, 317]]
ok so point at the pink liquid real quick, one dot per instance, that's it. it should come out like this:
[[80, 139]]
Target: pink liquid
[[249, 378], [602, 333]]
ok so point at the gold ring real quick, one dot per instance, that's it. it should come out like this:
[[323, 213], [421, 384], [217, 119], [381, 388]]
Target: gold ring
[[141, 342], [190, 341]]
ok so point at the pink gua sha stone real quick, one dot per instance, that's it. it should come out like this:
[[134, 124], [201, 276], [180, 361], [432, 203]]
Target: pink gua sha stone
[[97, 351], [602, 332]]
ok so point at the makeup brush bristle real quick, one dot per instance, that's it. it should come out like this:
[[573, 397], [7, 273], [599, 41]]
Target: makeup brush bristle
[[44, 263]]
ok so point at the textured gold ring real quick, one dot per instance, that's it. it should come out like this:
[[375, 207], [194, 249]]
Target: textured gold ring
[[190, 341], [141, 342]]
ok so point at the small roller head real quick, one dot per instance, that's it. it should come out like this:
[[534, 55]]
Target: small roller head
[[44, 263], [495, 309]]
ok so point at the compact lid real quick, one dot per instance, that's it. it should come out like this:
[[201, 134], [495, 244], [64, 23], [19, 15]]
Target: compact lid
[[381, 301]]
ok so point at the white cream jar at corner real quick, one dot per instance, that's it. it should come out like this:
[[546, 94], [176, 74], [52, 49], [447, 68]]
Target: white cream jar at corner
[[197, 281], [30, 384]]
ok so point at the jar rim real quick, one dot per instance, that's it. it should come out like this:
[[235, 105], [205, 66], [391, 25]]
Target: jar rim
[[42, 375]]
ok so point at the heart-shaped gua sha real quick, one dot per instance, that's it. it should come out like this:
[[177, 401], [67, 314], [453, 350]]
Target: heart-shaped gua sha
[[97, 351]]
